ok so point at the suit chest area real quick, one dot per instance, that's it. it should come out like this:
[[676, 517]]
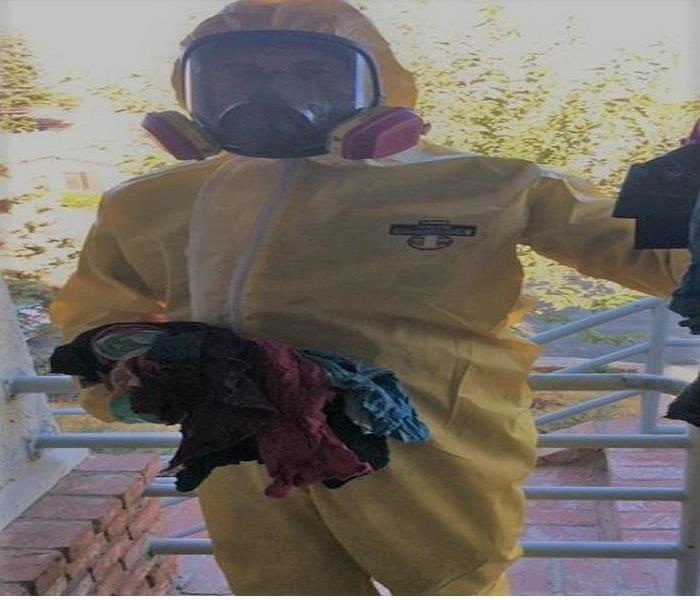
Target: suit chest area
[[383, 230], [356, 240]]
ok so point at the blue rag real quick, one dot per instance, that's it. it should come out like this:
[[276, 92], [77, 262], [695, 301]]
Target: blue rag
[[120, 407], [375, 400]]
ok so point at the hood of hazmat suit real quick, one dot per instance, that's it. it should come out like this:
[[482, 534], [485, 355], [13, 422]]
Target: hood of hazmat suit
[[408, 263]]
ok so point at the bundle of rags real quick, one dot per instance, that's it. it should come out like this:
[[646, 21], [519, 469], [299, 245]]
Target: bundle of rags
[[308, 416]]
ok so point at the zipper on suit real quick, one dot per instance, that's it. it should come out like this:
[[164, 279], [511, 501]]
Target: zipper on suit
[[255, 241]]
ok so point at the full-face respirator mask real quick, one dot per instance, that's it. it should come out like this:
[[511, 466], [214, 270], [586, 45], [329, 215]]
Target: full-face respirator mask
[[282, 94]]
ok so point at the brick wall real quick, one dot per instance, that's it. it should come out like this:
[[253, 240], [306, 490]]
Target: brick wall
[[88, 535]]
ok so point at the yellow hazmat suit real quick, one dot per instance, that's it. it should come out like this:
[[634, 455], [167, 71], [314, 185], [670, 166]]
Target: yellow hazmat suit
[[330, 254]]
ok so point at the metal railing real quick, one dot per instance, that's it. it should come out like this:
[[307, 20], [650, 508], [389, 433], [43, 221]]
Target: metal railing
[[686, 551], [654, 350]]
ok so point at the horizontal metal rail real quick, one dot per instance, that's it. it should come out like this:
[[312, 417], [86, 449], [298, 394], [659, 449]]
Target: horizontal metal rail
[[640, 440], [171, 545], [683, 342], [628, 382], [37, 384], [606, 359], [590, 492], [168, 440], [671, 429], [538, 492], [180, 546], [562, 331], [559, 415], [611, 381], [578, 408], [107, 440], [601, 550], [56, 384], [584, 406]]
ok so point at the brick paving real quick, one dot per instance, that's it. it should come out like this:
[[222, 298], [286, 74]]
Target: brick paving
[[95, 544], [649, 521], [643, 521]]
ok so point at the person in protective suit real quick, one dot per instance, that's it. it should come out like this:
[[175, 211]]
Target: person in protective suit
[[402, 257]]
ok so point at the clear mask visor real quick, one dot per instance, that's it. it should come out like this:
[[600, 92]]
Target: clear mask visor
[[323, 78]]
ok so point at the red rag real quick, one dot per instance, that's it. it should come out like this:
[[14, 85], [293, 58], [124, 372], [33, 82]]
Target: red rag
[[297, 446]]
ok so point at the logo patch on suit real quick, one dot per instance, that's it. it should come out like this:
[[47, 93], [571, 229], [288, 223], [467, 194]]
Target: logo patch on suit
[[432, 235]]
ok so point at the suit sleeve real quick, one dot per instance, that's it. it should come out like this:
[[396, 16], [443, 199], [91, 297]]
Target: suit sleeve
[[571, 222], [105, 288]]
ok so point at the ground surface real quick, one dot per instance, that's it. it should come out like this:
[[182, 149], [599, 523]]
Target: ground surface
[[552, 520]]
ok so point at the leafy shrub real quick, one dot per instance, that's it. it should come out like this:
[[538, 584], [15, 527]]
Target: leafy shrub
[[80, 199], [139, 165], [7, 203], [20, 87], [138, 95], [481, 98]]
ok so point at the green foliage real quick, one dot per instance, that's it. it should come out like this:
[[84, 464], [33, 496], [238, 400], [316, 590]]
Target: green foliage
[[80, 199], [139, 165], [138, 96], [486, 98], [17, 123], [591, 336], [20, 87], [7, 203], [480, 98], [559, 288]]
